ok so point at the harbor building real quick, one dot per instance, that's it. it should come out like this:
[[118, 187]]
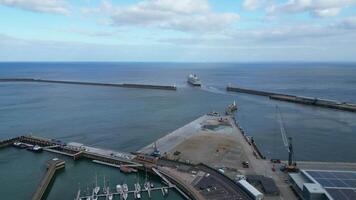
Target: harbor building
[[324, 184]]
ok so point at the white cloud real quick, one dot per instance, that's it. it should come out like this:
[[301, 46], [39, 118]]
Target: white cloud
[[252, 4], [183, 15], [339, 33], [42, 6], [329, 12], [320, 8], [241, 47], [85, 32], [347, 23]]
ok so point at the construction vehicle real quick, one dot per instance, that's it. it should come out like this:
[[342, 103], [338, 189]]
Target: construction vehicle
[[291, 166]]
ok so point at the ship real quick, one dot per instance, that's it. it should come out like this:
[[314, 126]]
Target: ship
[[20, 145], [35, 148], [194, 80], [127, 170], [97, 188], [125, 190], [137, 194]]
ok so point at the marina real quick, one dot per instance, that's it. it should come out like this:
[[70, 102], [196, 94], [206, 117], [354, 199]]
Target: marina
[[127, 194], [105, 157]]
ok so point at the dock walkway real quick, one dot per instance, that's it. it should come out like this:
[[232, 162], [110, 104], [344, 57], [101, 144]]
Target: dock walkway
[[53, 166], [116, 194]]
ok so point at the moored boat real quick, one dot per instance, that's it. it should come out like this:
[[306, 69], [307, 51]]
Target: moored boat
[[125, 190], [35, 148], [127, 169]]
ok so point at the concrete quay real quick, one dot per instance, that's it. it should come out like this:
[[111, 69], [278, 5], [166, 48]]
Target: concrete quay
[[216, 141], [351, 107], [123, 85]]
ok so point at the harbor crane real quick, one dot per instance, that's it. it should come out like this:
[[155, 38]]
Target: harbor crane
[[291, 166]]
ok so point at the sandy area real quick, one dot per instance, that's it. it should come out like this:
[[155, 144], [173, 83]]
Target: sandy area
[[217, 150], [211, 140]]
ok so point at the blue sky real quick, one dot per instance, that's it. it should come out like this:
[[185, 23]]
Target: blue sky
[[182, 31]]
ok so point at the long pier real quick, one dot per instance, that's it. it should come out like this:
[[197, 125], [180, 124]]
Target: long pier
[[351, 107], [53, 166], [122, 85], [74, 150]]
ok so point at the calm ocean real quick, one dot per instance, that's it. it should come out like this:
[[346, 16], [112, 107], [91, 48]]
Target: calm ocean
[[128, 119]]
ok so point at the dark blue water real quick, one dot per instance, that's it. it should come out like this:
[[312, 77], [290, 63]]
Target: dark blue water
[[128, 119]]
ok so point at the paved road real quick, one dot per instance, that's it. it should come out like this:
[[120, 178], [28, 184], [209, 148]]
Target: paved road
[[264, 167]]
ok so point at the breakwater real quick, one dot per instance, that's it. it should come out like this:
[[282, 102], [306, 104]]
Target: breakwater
[[123, 85], [297, 99]]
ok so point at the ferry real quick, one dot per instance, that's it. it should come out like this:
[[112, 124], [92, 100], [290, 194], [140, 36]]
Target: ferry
[[194, 80]]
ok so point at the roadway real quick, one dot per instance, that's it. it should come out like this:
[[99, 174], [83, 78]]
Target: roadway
[[264, 167]]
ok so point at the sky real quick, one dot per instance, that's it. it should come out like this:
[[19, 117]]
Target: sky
[[178, 30]]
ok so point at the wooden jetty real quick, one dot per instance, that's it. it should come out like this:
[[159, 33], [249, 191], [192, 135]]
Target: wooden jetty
[[53, 166]]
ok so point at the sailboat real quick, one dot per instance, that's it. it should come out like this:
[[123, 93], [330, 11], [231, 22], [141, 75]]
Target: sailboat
[[125, 190], [119, 190], [109, 195], [97, 188], [137, 190], [104, 188], [89, 197]]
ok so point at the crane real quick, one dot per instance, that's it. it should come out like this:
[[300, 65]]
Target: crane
[[287, 141]]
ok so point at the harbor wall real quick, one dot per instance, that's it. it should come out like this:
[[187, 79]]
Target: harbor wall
[[251, 142], [249, 91], [298, 99], [8, 142], [123, 85]]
